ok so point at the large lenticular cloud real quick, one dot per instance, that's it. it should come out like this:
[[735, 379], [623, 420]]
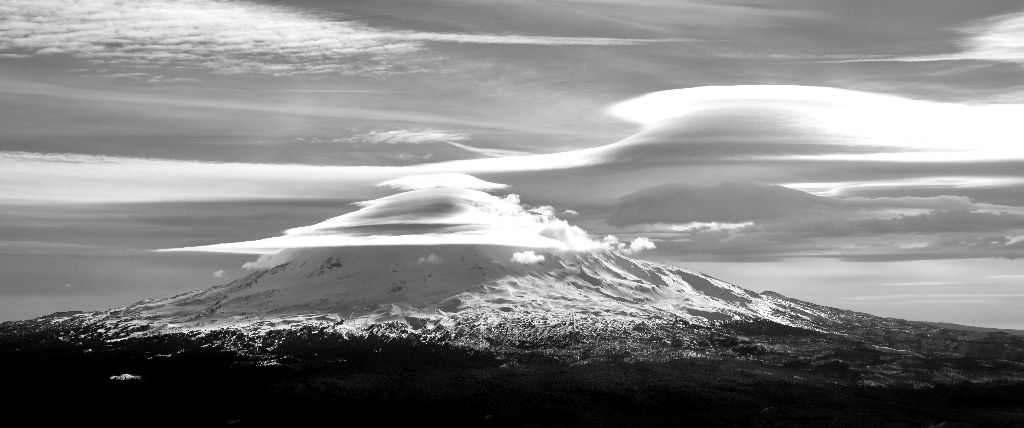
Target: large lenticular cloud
[[769, 121], [439, 216]]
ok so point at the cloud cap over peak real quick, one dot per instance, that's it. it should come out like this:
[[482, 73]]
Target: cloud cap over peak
[[439, 216]]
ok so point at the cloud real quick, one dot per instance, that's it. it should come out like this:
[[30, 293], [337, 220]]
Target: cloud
[[442, 216], [849, 188], [856, 125], [408, 136], [732, 205], [436, 181], [692, 134], [432, 259], [639, 244], [75, 178], [896, 129], [636, 246], [226, 37], [265, 261], [34, 177], [932, 235], [932, 222], [494, 153], [287, 109], [921, 283], [998, 38], [783, 222], [219, 274], [727, 202], [702, 226], [514, 39], [527, 257]]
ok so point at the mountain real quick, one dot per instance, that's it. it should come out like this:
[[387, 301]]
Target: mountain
[[443, 285], [570, 305], [504, 336]]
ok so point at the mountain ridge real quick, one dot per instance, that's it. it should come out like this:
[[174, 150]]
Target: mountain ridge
[[574, 306], [591, 338]]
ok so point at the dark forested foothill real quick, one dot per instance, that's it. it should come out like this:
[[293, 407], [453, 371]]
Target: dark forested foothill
[[744, 375]]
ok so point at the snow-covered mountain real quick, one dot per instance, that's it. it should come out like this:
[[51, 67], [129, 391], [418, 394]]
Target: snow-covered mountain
[[454, 263], [568, 305], [352, 287]]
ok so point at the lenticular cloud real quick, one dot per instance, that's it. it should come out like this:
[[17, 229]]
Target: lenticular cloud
[[439, 216], [852, 125], [437, 181]]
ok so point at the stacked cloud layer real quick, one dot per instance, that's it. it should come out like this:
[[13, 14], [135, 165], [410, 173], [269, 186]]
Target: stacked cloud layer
[[784, 134], [436, 216]]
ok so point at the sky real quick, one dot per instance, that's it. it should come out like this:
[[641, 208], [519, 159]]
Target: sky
[[866, 155]]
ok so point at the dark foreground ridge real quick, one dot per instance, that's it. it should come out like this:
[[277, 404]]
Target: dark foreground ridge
[[744, 375]]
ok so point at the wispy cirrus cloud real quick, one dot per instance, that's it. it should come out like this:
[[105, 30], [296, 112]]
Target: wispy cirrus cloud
[[919, 283], [999, 39], [780, 223], [408, 136], [427, 136], [493, 153], [848, 188], [225, 36]]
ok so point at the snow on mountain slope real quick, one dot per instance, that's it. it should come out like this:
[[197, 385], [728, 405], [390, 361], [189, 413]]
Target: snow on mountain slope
[[451, 257], [359, 286]]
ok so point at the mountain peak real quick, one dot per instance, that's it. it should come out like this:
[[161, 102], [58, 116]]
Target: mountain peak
[[358, 286]]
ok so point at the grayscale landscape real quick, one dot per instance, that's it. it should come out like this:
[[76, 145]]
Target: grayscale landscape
[[706, 213]]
